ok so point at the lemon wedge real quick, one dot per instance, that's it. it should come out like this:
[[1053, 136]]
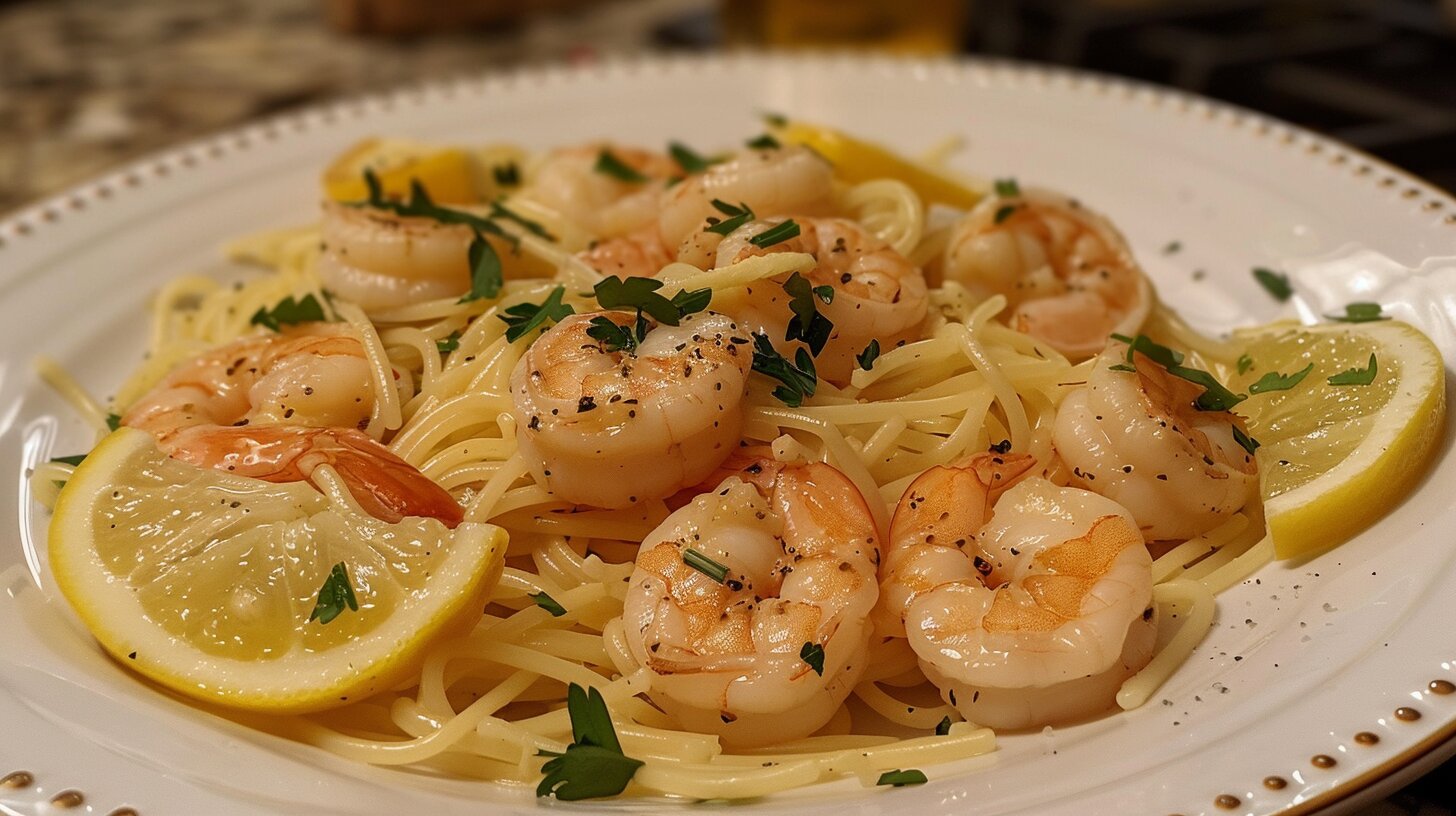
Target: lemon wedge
[[856, 161], [1334, 458], [205, 582], [448, 175]]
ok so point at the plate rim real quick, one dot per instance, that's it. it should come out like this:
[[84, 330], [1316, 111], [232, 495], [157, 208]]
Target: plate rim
[[165, 165]]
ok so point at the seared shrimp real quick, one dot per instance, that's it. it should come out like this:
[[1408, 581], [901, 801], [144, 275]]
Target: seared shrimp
[[770, 182], [612, 428], [1137, 438], [1066, 271], [313, 374], [378, 259], [636, 255], [738, 655], [567, 181], [384, 485], [878, 294], [1037, 618]]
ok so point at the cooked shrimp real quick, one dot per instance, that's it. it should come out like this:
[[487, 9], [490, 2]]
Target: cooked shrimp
[[637, 255], [1138, 438], [878, 294], [770, 182], [799, 547], [312, 374], [568, 182], [1037, 618], [384, 485], [378, 259], [1066, 271], [612, 428]]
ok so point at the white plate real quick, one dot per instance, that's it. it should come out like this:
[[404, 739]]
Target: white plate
[[1300, 661]]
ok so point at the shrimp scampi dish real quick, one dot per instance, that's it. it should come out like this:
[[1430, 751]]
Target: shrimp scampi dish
[[654, 470]]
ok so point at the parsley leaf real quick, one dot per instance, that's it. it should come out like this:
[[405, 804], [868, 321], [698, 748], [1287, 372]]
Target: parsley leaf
[[507, 175], [1007, 188], [1004, 212], [1245, 441], [637, 293], [1274, 283], [799, 378], [764, 142], [615, 337], [70, 460], [548, 603], [776, 234], [737, 217], [1274, 381], [499, 210], [421, 206], [1215, 396], [486, 277], [593, 764], [777, 120], [942, 728], [523, 317], [609, 165], [1245, 362], [113, 421], [807, 324], [289, 312], [867, 357], [692, 302], [900, 779], [705, 565], [813, 654], [1172, 247], [687, 159], [449, 344], [1360, 313], [1357, 376], [334, 595]]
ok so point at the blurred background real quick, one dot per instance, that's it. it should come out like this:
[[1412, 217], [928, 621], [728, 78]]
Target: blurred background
[[87, 84]]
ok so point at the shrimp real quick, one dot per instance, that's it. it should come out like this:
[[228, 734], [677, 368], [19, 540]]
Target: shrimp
[[385, 486], [569, 182], [1067, 272], [611, 428], [313, 374], [640, 254], [377, 259], [878, 294], [1138, 438], [1036, 618], [769, 182], [798, 548]]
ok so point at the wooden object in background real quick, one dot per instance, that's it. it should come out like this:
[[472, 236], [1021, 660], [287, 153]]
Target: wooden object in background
[[404, 17]]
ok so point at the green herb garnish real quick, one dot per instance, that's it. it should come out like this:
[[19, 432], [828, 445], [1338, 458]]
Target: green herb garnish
[[778, 233], [334, 595], [449, 344], [1004, 212], [1172, 247], [1274, 381], [777, 120], [737, 217], [1274, 283], [70, 460], [289, 312], [1007, 188], [614, 336], [808, 324], [486, 277], [1357, 376], [639, 294], [942, 728], [593, 764], [113, 421], [687, 159], [420, 205], [705, 565], [1215, 396], [1245, 441], [900, 779], [521, 318], [499, 210], [507, 175], [798, 378], [1245, 362], [547, 603], [764, 142], [1360, 313], [609, 165], [866, 358], [813, 654]]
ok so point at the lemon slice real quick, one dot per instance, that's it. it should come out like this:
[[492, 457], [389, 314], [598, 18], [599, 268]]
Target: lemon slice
[[205, 582], [448, 175], [858, 161], [1334, 458]]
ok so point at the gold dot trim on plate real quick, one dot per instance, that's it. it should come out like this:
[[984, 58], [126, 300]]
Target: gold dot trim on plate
[[1366, 738], [1275, 782], [17, 779], [1324, 761], [1441, 687], [1407, 714], [68, 799], [65, 800], [1227, 801]]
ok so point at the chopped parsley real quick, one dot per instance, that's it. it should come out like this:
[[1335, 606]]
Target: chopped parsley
[[499, 210], [70, 460], [690, 161], [1274, 283], [521, 318], [776, 234], [1004, 212], [1360, 313], [289, 312], [641, 294], [1245, 441], [1215, 396], [942, 728], [547, 603], [449, 344], [113, 421], [1172, 247], [705, 565], [507, 175], [1245, 362], [808, 324], [764, 142], [1357, 376], [813, 654], [900, 779], [736, 217], [614, 336], [777, 120], [1274, 381], [798, 378], [609, 165], [593, 764], [866, 358], [486, 277], [1007, 188], [334, 595]]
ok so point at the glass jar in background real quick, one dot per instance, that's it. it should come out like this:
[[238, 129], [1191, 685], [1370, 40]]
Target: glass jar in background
[[899, 26]]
